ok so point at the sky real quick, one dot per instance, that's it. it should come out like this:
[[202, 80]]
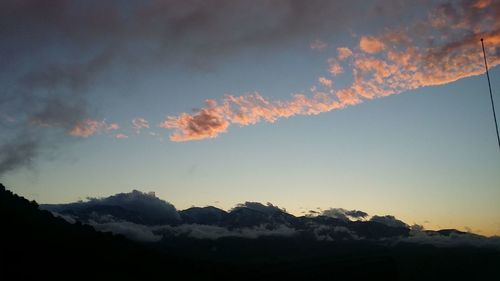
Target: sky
[[380, 106]]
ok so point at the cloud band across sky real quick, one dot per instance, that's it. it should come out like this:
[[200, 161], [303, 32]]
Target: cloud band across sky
[[440, 49]]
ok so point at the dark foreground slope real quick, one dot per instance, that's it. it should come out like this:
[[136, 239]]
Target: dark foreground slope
[[36, 245]]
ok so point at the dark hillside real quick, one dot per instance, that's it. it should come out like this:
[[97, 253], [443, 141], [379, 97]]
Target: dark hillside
[[36, 245]]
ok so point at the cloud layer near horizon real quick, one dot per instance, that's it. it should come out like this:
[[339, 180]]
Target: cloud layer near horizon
[[141, 217], [440, 49]]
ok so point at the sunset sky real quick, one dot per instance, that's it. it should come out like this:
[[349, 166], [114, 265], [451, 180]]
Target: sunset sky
[[380, 106]]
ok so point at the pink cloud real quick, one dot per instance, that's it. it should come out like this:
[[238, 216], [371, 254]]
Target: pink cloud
[[481, 4], [206, 123], [325, 82], [89, 127], [245, 110], [334, 67], [371, 45], [113, 126], [121, 136], [343, 53], [140, 123], [386, 64]]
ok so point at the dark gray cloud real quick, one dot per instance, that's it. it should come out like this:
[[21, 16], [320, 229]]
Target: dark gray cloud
[[212, 232], [332, 233], [336, 213], [68, 218], [45, 104], [267, 209], [148, 204], [154, 233], [356, 214], [319, 231], [450, 238], [141, 216], [389, 221], [133, 231], [17, 152], [135, 207], [194, 29], [108, 223], [343, 214]]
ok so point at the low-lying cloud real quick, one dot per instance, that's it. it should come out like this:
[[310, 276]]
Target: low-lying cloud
[[320, 232], [215, 232], [389, 221], [144, 217], [451, 239], [343, 214], [133, 231]]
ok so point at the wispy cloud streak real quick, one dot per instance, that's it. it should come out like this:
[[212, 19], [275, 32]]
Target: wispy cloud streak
[[89, 127], [139, 123]]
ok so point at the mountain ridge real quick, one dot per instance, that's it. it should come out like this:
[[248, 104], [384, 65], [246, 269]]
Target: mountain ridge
[[130, 214], [53, 248]]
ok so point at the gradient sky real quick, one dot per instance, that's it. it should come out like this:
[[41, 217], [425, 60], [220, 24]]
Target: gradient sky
[[105, 98]]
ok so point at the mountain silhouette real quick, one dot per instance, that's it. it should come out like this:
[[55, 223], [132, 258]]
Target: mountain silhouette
[[35, 244], [145, 209], [135, 206], [203, 215]]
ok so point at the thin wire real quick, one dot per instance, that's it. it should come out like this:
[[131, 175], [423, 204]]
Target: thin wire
[[491, 94]]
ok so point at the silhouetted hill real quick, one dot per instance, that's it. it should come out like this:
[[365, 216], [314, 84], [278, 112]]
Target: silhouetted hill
[[135, 206], [206, 215], [122, 213], [36, 245]]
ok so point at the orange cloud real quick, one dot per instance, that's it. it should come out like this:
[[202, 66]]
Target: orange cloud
[[335, 68], [325, 82], [89, 127], [206, 123], [113, 126], [245, 110], [481, 4], [343, 53], [383, 65], [371, 45]]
